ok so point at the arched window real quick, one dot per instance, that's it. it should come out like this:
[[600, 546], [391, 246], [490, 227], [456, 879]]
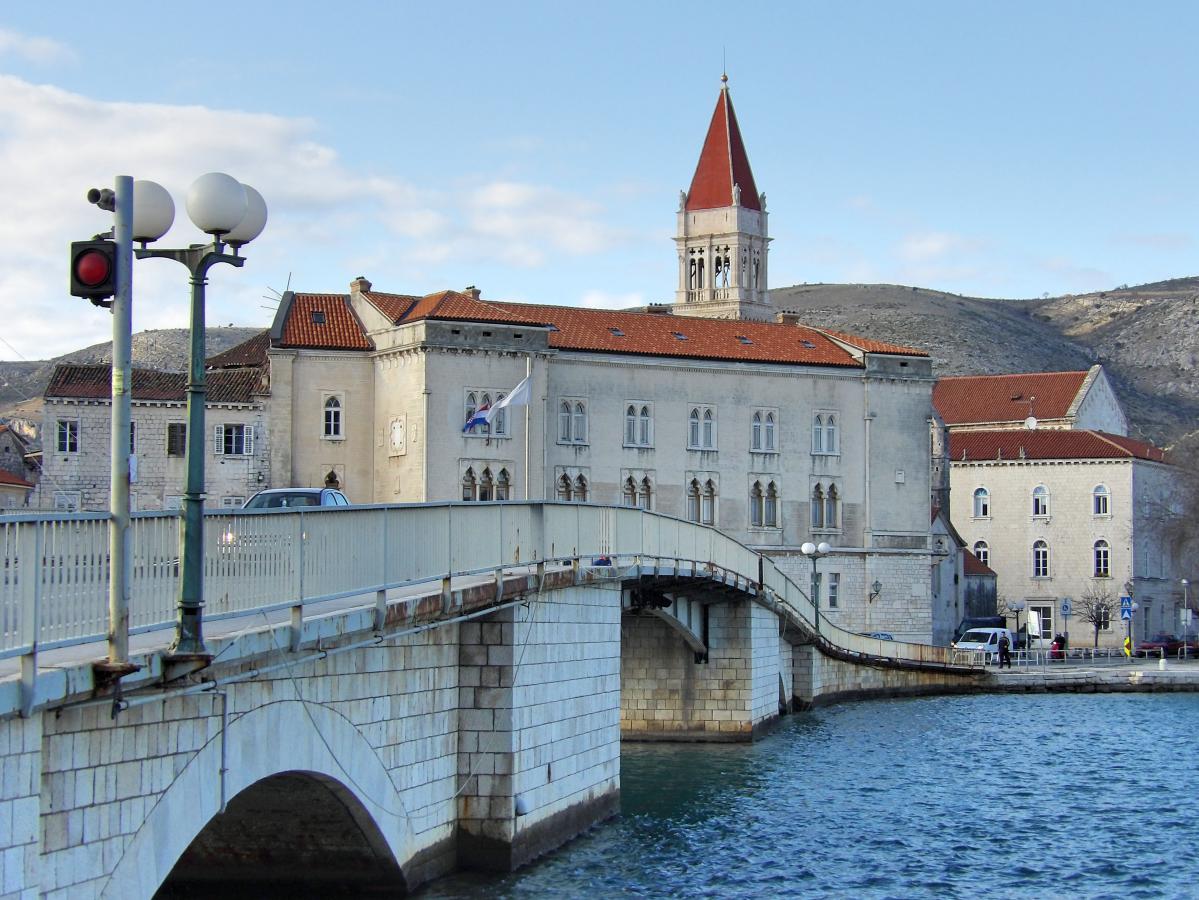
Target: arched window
[[503, 486], [486, 485], [332, 418], [645, 431], [830, 434], [1040, 500], [485, 403], [708, 504], [630, 425], [755, 434], [709, 430], [830, 507], [630, 491], [1040, 560], [817, 506], [564, 422], [646, 498], [499, 425], [1103, 560], [472, 404], [771, 516], [755, 505], [693, 428], [564, 492], [768, 433], [818, 434], [580, 424], [982, 503], [1101, 500], [468, 485], [693, 501], [581, 489], [982, 552]]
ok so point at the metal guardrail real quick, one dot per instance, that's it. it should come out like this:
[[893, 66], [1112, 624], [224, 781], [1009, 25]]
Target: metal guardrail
[[1081, 656], [54, 569]]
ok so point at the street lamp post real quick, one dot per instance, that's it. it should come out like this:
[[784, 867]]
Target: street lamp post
[[233, 214], [815, 552]]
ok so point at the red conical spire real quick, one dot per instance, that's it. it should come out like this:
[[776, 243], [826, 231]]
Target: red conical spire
[[723, 162]]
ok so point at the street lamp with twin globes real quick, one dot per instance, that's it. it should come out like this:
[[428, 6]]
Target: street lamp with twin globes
[[815, 552]]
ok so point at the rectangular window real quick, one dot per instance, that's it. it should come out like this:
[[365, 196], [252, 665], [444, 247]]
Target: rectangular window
[[1044, 614], [176, 439], [232, 502], [67, 501], [1105, 618], [332, 418], [834, 589], [233, 440], [68, 436]]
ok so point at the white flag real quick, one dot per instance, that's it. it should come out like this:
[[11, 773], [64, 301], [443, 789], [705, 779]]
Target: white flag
[[518, 396]]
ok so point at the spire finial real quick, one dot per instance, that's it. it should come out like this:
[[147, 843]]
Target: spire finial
[[724, 78]]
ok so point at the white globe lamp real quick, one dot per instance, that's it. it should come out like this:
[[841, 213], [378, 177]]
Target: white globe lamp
[[216, 203], [252, 223], [153, 211]]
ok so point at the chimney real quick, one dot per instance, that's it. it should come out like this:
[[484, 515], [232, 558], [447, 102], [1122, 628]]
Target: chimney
[[473, 292], [786, 317], [660, 309], [359, 285]]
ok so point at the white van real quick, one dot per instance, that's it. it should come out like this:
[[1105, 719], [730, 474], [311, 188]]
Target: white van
[[985, 639]]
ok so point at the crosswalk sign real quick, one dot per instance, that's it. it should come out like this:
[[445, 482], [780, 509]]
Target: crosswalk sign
[[1126, 614], [1126, 602]]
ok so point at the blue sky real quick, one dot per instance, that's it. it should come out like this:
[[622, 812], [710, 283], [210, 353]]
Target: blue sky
[[537, 150]]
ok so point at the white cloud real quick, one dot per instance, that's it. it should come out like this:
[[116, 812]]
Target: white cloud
[[324, 216], [604, 300], [934, 245], [34, 49]]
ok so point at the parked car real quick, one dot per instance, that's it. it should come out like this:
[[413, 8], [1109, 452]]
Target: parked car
[[984, 639], [286, 498], [1164, 643]]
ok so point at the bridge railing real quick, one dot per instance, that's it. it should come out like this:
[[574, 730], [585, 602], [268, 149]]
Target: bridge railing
[[54, 569]]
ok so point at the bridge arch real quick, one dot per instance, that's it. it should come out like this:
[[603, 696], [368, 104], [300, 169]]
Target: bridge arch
[[268, 749]]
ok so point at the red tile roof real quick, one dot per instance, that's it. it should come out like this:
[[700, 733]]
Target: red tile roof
[[612, 331], [7, 477], [723, 163], [394, 306], [95, 383], [323, 321], [983, 399], [1014, 444], [971, 565], [250, 352]]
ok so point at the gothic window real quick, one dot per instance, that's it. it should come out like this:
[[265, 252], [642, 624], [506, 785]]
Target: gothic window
[[499, 424], [982, 552], [630, 492], [709, 436], [645, 432], [332, 418], [1040, 560], [1103, 560], [503, 486], [817, 506], [692, 430], [564, 423], [757, 270], [768, 434], [564, 491], [818, 434], [693, 501], [830, 507], [707, 513], [486, 485], [771, 516], [1101, 500], [630, 426], [581, 489], [645, 499], [982, 503], [572, 422], [830, 434], [468, 485], [1040, 500], [755, 505], [580, 423], [638, 426], [755, 441]]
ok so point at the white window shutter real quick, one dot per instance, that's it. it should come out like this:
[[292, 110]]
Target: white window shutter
[[249, 440], [218, 439]]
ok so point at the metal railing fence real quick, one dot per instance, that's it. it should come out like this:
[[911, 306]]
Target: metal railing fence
[[54, 569]]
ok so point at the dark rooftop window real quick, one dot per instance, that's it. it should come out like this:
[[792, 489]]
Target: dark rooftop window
[[808, 344], [616, 332], [318, 317], [679, 336], [743, 339]]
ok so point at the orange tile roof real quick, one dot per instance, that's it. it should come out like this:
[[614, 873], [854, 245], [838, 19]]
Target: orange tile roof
[[251, 352], [394, 306], [972, 565], [7, 477], [323, 321], [723, 163], [872, 346], [645, 334], [982, 399], [1049, 443]]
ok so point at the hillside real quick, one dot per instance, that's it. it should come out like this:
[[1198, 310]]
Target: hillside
[[1146, 337]]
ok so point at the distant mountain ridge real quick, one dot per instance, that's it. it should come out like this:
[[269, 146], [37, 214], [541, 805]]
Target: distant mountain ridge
[[1146, 337]]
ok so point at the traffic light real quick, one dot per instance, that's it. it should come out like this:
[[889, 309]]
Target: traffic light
[[94, 270]]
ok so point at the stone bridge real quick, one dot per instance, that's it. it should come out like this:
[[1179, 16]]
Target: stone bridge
[[394, 692]]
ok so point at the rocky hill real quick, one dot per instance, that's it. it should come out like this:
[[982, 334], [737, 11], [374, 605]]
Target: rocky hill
[[1146, 337]]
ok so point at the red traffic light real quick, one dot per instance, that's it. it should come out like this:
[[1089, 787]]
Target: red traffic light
[[93, 269]]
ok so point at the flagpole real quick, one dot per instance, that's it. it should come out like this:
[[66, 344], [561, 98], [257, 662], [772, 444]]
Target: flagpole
[[528, 419]]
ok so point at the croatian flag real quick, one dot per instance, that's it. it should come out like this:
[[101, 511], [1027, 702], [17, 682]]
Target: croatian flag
[[518, 396], [478, 417]]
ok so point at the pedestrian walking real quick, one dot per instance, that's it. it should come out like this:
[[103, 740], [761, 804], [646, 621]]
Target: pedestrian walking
[[1005, 651]]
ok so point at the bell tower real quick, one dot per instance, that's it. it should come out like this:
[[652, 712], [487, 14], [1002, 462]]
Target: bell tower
[[722, 238]]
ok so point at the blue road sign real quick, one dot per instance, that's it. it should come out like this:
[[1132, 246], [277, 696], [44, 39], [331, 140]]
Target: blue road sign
[[1126, 603], [1126, 614]]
